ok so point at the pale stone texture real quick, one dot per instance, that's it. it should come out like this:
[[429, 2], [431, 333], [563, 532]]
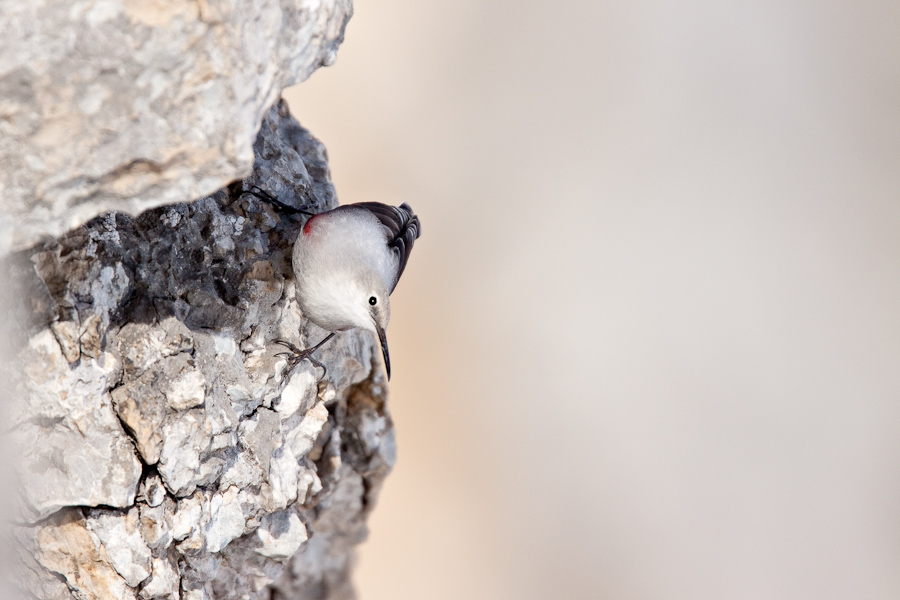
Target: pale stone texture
[[66, 545], [120, 535], [281, 534], [74, 449], [129, 104], [169, 452], [164, 583]]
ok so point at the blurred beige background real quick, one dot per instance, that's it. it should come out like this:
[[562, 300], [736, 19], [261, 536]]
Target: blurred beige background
[[648, 346]]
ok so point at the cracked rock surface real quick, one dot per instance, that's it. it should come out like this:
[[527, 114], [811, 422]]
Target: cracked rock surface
[[129, 104], [167, 449]]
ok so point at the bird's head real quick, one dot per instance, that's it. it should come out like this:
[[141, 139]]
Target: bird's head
[[370, 309]]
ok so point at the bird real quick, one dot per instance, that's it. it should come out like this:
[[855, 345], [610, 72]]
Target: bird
[[347, 261]]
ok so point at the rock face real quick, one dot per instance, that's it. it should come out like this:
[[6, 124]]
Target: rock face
[[129, 104], [168, 451]]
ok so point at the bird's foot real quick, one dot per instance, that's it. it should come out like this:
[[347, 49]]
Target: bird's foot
[[296, 356]]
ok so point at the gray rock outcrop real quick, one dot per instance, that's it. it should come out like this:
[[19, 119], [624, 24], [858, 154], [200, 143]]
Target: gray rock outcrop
[[126, 104], [168, 450]]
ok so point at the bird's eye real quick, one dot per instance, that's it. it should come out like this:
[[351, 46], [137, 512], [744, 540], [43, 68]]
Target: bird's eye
[[373, 300]]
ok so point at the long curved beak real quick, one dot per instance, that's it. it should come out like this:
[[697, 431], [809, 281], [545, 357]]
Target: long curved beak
[[384, 350]]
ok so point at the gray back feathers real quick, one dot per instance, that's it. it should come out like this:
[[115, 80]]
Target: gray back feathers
[[401, 226]]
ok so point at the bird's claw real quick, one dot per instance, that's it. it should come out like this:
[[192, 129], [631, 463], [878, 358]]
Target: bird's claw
[[296, 356], [290, 347], [267, 197]]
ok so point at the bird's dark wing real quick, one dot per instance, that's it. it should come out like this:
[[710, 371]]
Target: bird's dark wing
[[402, 227]]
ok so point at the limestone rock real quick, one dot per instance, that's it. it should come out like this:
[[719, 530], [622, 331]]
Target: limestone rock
[[169, 452], [281, 534], [74, 451], [164, 584], [226, 519], [66, 546], [121, 537], [125, 105]]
